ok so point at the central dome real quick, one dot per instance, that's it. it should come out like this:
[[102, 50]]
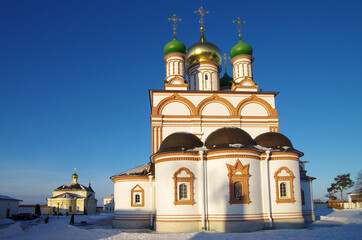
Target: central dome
[[229, 137], [203, 51]]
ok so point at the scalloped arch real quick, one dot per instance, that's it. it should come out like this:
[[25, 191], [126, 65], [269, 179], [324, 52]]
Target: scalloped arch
[[281, 169], [174, 98], [191, 175], [254, 99], [216, 98]]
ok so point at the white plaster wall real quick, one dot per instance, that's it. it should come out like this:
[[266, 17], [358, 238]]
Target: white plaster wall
[[215, 109], [199, 71], [157, 98], [295, 207], [218, 187], [253, 109], [176, 108], [165, 188], [122, 197], [6, 204], [254, 131], [169, 130], [196, 99]]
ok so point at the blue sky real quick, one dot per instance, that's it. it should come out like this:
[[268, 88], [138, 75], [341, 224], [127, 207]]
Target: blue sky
[[73, 94]]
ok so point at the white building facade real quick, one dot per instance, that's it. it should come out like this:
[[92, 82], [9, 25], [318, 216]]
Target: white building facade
[[218, 160], [108, 204], [8, 206]]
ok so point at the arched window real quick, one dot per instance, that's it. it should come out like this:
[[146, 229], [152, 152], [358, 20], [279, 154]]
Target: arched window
[[238, 183], [183, 191], [183, 187], [283, 190], [137, 199], [206, 81], [284, 185], [238, 191], [137, 196], [303, 199]]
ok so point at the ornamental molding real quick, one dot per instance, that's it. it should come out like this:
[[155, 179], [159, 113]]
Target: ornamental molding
[[238, 173], [278, 180]]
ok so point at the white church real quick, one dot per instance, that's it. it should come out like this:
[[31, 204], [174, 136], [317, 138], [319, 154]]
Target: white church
[[218, 160]]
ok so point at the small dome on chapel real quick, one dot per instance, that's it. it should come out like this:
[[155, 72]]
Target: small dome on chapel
[[229, 137], [241, 48], [226, 80], [180, 141], [174, 46], [273, 140]]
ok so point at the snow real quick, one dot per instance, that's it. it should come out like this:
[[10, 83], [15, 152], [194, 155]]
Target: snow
[[346, 224]]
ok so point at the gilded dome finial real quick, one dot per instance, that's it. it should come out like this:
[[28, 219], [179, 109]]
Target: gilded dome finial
[[175, 20], [74, 176], [239, 22], [202, 13]]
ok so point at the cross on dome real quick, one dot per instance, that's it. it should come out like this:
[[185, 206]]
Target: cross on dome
[[225, 60], [239, 22], [202, 14], [174, 19]]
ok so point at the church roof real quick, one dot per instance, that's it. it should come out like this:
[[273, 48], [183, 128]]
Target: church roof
[[180, 141], [74, 186], [276, 141], [143, 170], [3, 197], [229, 137], [68, 195], [357, 192]]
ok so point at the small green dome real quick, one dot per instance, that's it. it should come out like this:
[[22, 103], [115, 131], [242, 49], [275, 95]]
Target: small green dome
[[174, 46], [226, 80], [241, 48]]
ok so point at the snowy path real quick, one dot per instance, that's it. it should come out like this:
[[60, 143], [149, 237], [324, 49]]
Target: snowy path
[[345, 224]]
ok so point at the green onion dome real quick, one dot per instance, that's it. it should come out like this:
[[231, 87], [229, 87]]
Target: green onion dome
[[174, 46], [241, 48], [226, 80]]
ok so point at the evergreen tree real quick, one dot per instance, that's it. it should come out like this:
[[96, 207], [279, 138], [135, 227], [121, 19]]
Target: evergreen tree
[[37, 210], [342, 182]]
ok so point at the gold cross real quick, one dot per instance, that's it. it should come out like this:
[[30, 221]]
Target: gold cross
[[175, 20], [202, 14], [239, 22], [75, 170], [225, 59]]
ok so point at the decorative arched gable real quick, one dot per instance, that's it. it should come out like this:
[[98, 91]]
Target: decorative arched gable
[[254, 99], [247, 82], [238, 177], [217, 99], [174, 98], [183, 187], [284, 185], [177, 81], [137, 196]]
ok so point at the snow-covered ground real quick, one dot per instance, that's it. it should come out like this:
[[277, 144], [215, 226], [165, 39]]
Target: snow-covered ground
[[346, 224]]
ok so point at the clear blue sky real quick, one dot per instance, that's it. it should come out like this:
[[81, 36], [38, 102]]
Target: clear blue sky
[[73, 95]]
